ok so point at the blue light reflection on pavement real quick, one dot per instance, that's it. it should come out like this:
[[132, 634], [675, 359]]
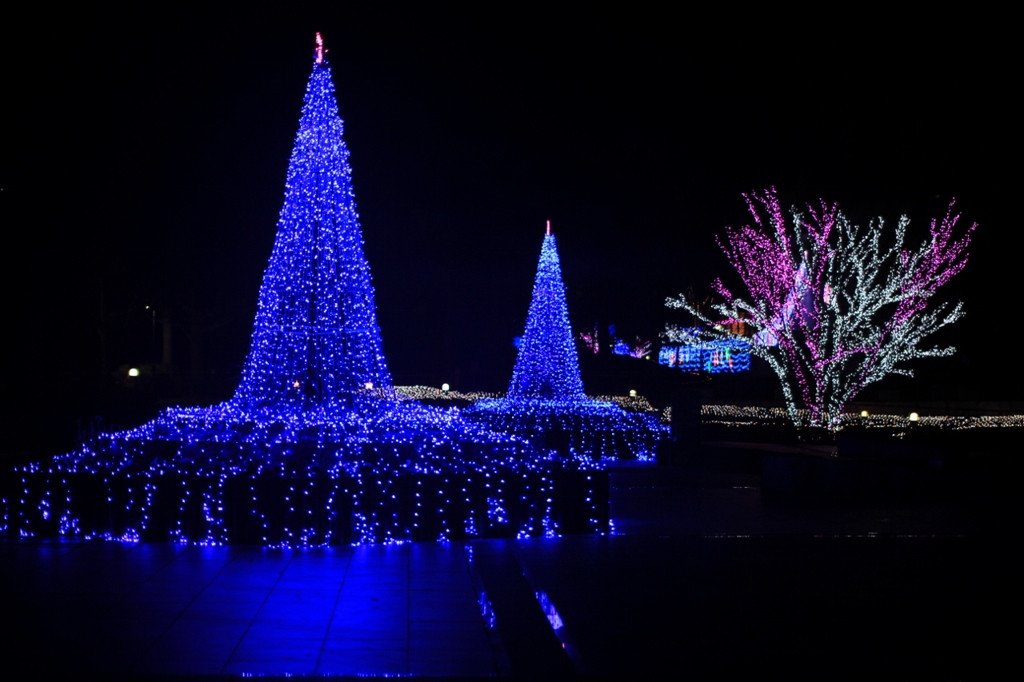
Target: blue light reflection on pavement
[[168, 609]]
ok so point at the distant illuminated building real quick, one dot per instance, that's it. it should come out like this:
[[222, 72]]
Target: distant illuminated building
[[710, 357]]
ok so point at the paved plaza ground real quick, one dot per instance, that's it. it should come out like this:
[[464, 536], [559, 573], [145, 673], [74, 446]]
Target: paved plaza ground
[[702, 578]]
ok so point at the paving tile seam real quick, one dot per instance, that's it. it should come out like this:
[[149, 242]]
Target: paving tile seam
[[266, 598], [568, 646], [334, 611], [500, 656], [142, 655], [408, 609]]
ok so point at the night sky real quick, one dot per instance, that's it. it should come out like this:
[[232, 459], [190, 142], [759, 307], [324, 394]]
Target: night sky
[[144, 155]]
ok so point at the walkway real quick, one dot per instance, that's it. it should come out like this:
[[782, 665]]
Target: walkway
[[703, 579]]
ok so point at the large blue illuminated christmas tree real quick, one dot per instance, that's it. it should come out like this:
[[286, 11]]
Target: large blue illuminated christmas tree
[[545, 402], [316, 339], [316, 369]]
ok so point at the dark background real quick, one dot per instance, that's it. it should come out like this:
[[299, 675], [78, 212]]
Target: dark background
[[145, 149]]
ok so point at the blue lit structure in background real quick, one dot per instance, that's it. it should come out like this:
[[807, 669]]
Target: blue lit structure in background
[[545, 403], [710, 357], [315, 447]]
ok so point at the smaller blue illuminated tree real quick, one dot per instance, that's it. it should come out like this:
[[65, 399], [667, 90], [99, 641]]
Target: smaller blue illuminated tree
[[547, 367], [545, 401]]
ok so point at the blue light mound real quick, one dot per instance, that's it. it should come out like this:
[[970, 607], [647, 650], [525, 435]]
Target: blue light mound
[[315, 447], [545, 403]]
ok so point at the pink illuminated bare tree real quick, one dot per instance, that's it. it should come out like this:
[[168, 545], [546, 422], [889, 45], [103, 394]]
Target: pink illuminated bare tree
[[836, 307]]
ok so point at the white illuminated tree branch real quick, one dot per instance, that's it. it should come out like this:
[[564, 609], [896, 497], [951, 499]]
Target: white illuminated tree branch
[[835, 306]]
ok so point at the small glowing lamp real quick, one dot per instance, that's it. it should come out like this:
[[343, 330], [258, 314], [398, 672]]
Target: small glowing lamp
[[445, 387], [632, 393], [913, 417], [133, 372], [863, 413]]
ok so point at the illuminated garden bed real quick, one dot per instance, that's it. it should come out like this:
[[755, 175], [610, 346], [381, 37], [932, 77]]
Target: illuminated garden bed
[[383, 492], [897, 425], [583, 428]]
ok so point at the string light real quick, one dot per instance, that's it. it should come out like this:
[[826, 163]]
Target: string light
[[547, 367], [736, 415], [316, 447], [545, 403], [638, 349], [711, 357], [835, 310]]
